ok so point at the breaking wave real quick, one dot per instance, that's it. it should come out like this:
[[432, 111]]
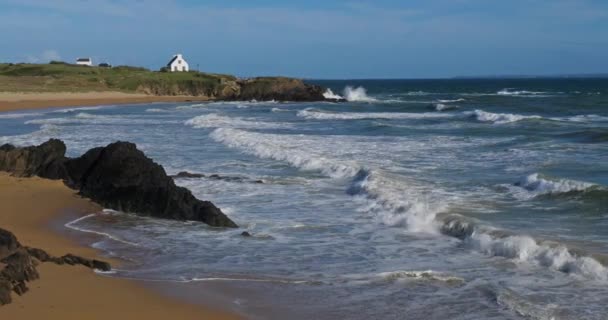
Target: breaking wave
[[279, 110], [358, 94], [386, 198], [321, 115], [445, 107], [395, 203], [527, 249], [451, 101], [350, 93], [524, 93], [18, 115], [498, 118], [33, 138], [157, 110], [329, 94], [214, 120], [536, 184]]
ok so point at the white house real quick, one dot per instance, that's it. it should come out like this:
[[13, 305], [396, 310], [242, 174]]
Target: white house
[[84, 61], [178, 63]]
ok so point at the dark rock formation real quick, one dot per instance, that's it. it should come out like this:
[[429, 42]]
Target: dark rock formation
[[279, 89], [118, 177], [189, 175], [18, 265], [44, 160], [245, 234], [230, 88]]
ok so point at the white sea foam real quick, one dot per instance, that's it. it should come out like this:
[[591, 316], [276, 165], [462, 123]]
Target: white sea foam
[[524, 307], [279, 110], [419, 93], [445, 107], [214, 120], [18, 115], [536, 184], [157, 110], [45, 132], [512, 92], [427, 275], [583, 118], [329, 94], [73, 225], [67, 110], [451, 101], [391, 201], [358, 94], [527, 249], [321, 115], [498, 118]]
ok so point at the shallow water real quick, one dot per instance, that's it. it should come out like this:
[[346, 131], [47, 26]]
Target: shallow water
[[431, 199]]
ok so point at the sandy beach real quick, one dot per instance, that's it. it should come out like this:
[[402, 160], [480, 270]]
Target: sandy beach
[[13, 101], [28, 208]]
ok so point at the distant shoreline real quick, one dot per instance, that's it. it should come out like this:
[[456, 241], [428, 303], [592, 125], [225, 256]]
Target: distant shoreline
[[17, 101]]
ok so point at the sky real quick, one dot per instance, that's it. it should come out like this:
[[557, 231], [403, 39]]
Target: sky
[[314, 38]]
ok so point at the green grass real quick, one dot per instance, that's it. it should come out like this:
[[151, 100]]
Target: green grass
[[61, 77]]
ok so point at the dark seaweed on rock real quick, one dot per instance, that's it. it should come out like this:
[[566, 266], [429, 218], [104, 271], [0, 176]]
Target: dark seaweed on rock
[[118, 176]]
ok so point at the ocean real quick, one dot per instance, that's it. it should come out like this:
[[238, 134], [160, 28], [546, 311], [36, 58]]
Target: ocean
[[416, 199]]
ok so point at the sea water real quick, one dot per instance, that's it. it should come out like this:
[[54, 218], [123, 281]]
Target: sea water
[[416, 199]]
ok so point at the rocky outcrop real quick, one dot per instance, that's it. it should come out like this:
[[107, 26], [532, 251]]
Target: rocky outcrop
[[260, 89], [118, 176], [44, 160], [279, 89], [18, 265]]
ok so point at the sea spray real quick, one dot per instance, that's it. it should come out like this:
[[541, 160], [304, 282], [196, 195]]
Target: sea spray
[[329, 94], [358, 94]]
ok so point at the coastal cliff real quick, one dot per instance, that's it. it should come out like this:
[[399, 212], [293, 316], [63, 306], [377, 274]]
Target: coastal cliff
[[62, 77], [118, 176]]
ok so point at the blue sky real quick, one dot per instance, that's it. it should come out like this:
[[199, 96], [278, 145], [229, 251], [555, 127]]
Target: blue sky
[[317, 39]]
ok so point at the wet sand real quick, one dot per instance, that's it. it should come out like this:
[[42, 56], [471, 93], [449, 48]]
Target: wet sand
[[29, 208], [14, 101]]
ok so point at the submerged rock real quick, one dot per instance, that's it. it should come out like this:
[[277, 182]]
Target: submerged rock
[[118, 176], [189, 175], [18, 265], [186, 174]]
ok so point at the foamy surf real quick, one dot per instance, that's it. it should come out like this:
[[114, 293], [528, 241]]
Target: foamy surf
[[73, 225], [537, 184], [215, 120], [499, 118], [445, 107], [315, 114]]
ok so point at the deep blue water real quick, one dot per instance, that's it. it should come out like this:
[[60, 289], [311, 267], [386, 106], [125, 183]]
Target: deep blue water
[[417, 199]]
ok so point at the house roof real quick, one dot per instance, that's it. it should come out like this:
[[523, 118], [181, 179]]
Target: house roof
[[174, 58], [83, 59]]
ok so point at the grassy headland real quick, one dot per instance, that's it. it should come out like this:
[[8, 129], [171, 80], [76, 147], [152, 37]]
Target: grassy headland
[[69, 78]]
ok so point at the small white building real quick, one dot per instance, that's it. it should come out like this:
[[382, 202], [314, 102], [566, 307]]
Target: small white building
[[84, 61], [178, 63]]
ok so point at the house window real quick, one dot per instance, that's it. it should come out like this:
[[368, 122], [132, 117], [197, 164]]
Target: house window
[[179, 61]]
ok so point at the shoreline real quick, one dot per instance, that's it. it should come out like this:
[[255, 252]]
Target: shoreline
[[76, 292], [18, 101]]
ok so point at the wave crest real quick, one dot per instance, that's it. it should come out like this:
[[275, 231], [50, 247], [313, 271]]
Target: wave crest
[[498, 118], [214, 120]]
